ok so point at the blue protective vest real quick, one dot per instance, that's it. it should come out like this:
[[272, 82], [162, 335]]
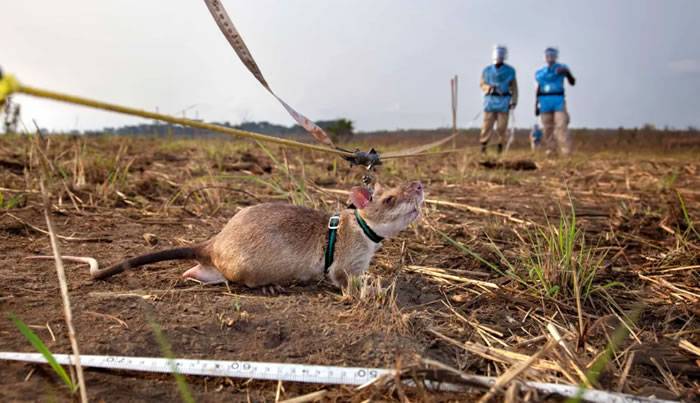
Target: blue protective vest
[[537, 135], [500, 77], [550, 97]]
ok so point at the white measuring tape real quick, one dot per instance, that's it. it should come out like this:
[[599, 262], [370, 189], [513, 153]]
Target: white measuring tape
[[234, 369], [234, 38], [322, 374]]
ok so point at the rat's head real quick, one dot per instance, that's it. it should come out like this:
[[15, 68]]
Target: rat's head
[[389, 211]]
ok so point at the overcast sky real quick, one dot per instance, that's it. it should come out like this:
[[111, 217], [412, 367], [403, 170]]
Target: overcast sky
[[385, 64]]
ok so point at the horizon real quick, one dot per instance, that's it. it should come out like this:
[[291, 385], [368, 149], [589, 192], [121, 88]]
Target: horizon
[[111, 130]]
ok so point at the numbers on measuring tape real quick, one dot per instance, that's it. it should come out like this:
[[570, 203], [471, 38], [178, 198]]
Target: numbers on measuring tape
[[240, 369], [283, 372]]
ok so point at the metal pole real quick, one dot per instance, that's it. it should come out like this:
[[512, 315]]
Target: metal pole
[[453, 87]]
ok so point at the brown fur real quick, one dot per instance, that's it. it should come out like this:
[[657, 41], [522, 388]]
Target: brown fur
[[275, 243]]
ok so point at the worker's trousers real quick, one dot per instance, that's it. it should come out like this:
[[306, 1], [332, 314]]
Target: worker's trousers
[[555, 126], [487, 129]]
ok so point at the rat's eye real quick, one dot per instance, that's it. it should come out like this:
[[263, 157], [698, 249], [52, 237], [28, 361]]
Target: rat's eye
[[389, 200]]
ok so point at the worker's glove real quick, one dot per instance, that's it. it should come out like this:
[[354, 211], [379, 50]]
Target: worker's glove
[[512, 106], [537, 110]]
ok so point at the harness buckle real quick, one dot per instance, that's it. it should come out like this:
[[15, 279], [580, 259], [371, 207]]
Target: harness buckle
[[334, 222], [368, 159]]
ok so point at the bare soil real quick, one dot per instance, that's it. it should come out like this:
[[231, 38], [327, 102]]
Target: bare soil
[[141, 195]]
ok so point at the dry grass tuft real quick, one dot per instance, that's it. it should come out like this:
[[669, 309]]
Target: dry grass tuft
[[376, 305]]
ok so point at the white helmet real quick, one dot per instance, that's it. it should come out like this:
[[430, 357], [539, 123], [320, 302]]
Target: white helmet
[[499, 54]]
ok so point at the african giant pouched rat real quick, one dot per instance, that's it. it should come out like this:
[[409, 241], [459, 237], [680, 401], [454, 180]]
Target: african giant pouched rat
[[275, 243]]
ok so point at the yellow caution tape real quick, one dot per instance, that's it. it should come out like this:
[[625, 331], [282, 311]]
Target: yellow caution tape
[[12, 85]]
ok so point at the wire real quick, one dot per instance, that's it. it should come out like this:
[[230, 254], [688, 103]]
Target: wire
[[58, 96], [421, 151], [417, 151]]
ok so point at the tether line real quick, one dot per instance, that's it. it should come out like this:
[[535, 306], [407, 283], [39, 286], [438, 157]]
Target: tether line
[[17, 88], [72, 99]]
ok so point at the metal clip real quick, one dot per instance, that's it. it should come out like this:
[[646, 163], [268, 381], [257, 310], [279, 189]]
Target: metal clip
[[334, 222], [368, 159]]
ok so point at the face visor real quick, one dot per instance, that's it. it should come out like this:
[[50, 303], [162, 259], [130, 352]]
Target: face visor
[[551, 55], [499, 54]]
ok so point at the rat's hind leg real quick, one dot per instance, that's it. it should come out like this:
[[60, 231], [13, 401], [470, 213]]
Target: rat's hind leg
[[272, 290], [204, 275]]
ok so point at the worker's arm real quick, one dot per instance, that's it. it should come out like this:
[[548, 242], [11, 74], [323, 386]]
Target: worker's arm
[[537, 104], [486, 88], [564, 70], [513, 93]]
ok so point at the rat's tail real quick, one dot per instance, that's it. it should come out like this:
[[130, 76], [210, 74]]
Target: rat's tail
[[188, 252]]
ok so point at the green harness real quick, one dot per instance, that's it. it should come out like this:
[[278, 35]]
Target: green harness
[[333, 224]]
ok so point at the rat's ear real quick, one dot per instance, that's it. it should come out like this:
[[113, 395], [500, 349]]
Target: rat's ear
[[378, 188], [360, 197]]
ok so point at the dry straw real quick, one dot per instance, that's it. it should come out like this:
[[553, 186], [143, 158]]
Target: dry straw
[[61, 273]]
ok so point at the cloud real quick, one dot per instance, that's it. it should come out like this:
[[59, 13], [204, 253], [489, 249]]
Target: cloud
[[685, 66]]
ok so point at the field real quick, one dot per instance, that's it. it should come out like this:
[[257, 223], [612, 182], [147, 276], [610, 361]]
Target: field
[[600, 250]]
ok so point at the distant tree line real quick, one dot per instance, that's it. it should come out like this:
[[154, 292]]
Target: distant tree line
[[339, 129]]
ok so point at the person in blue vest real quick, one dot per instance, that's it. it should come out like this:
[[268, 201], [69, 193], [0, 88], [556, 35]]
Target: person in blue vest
[[500, 90], [535, 137], [551, 104]]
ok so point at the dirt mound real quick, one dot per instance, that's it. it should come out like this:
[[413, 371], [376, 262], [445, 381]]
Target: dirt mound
[[518, 165]]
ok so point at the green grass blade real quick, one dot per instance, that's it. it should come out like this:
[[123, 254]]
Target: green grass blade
[[688, 221], [618, 337], [41, 348], [469, 252], [167, 351]]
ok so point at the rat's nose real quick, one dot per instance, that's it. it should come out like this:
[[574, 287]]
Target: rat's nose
[[417, 186]]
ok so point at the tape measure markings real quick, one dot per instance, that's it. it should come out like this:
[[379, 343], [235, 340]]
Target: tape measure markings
[[236, 369], [225, 24], [321, 374]]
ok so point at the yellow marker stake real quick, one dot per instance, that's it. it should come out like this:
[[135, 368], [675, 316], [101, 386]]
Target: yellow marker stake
[[8, 85]]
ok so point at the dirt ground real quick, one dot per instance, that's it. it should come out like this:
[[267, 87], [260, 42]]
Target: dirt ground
[[118, 197]]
